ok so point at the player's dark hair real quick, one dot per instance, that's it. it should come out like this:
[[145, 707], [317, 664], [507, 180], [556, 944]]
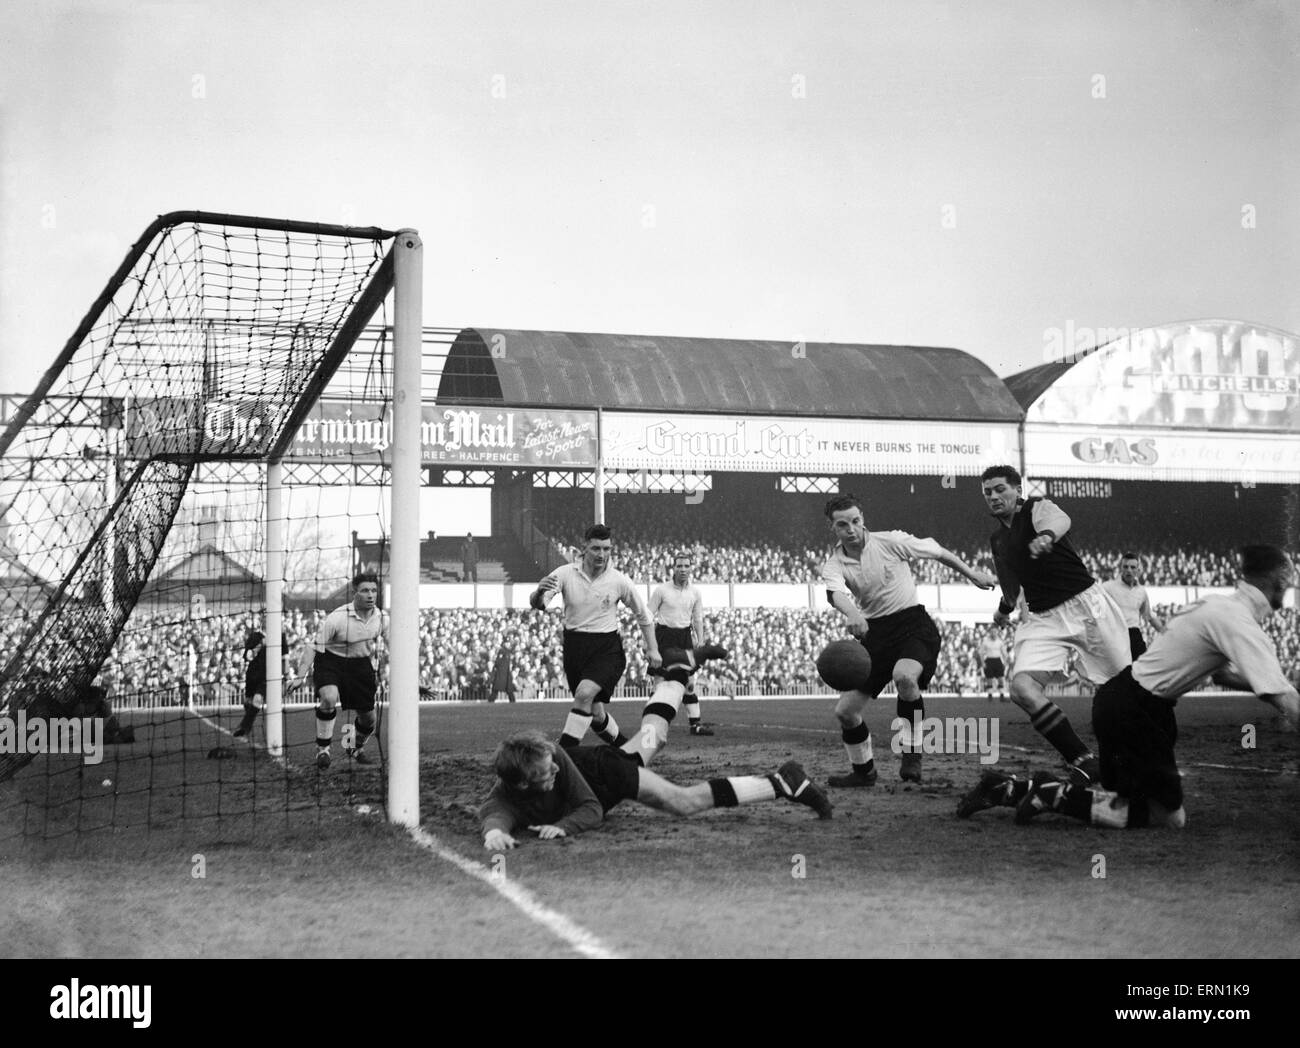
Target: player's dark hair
[[1128, 556], [1257, 561], [599, 532], [1011, 474], [362, 577], [839, 503], [519, 754]]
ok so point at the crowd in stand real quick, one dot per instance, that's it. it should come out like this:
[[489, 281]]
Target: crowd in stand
[[773, 651], [731, 544]]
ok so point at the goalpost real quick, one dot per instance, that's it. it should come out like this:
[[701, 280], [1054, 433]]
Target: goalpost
[[197, 364]]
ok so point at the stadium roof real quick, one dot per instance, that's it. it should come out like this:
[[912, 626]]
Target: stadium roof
[[713, 375], [1028, 385]]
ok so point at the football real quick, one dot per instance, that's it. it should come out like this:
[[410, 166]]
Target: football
[[844, 665]]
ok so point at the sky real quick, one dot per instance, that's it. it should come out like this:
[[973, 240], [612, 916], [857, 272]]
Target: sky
[[976, 175]]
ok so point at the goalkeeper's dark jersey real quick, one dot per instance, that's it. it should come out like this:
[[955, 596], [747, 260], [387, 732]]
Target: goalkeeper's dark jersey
[[570, 804], [1048, 580]]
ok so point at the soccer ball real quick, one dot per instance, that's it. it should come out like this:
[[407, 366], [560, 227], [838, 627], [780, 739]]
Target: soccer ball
[[844, 665]]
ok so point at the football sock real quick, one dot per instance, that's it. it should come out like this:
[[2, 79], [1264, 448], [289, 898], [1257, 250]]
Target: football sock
[[1052, 724], [692, 704], [608, 730], [908, 712], [250, 715], [655, 719], [743, 789], [857, 743], [575, 727], [325, 727]]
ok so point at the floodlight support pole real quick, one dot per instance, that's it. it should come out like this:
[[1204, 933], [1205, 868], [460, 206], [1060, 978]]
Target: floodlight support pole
[[403, 743], [599, 485], [274, 603]]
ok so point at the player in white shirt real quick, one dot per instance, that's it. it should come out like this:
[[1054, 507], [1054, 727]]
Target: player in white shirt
[[678, 611], [594, 659], [993, 653], [344, 670], [868, 579], [1133, 713], [1132, 600]]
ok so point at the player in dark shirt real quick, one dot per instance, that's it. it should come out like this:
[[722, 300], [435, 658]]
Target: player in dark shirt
[[561, 792], [1066, 610]]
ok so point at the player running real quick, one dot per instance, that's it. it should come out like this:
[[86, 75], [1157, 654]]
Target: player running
[[1132, 600], [1133, 713], [1066, 610], [678, 612], [344, 670], [557, 792], [869, 581], [594, 659]]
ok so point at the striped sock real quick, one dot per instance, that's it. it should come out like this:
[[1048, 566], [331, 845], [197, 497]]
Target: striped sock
[[608, 730], [575, 728], [692, 704], [742, 789], [857, 743], [1052, 724]]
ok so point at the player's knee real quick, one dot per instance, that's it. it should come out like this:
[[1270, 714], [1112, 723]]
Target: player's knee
[[906, 680], [677, 801], [324, 712]]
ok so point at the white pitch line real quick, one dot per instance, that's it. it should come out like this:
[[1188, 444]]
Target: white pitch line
[[577, 937]]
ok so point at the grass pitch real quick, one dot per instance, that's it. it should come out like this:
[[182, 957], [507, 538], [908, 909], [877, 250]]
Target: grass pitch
[[182, 856]]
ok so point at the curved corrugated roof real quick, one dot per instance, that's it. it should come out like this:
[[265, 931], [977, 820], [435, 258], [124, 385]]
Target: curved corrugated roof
[[713, 375], [1028, 385]]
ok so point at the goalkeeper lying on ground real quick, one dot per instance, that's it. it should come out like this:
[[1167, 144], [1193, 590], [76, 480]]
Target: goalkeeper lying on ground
[[557, 792]]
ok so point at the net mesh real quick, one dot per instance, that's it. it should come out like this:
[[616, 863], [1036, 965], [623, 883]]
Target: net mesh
[[197, 362]]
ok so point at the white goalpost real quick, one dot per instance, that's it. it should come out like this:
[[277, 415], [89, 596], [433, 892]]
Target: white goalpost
[[403, 742]]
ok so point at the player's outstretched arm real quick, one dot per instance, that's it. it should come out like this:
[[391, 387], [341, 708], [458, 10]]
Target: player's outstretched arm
[[983, 579], [498, 840]]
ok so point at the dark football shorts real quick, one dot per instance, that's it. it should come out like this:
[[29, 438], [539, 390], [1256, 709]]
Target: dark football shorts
[[354, 678], [1136, 642], [1136, 733], [597, 657], [993, 669], [673, 637], [907, 634], [612, 776]]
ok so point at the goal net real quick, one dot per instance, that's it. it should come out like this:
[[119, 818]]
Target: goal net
[[142, 447]]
